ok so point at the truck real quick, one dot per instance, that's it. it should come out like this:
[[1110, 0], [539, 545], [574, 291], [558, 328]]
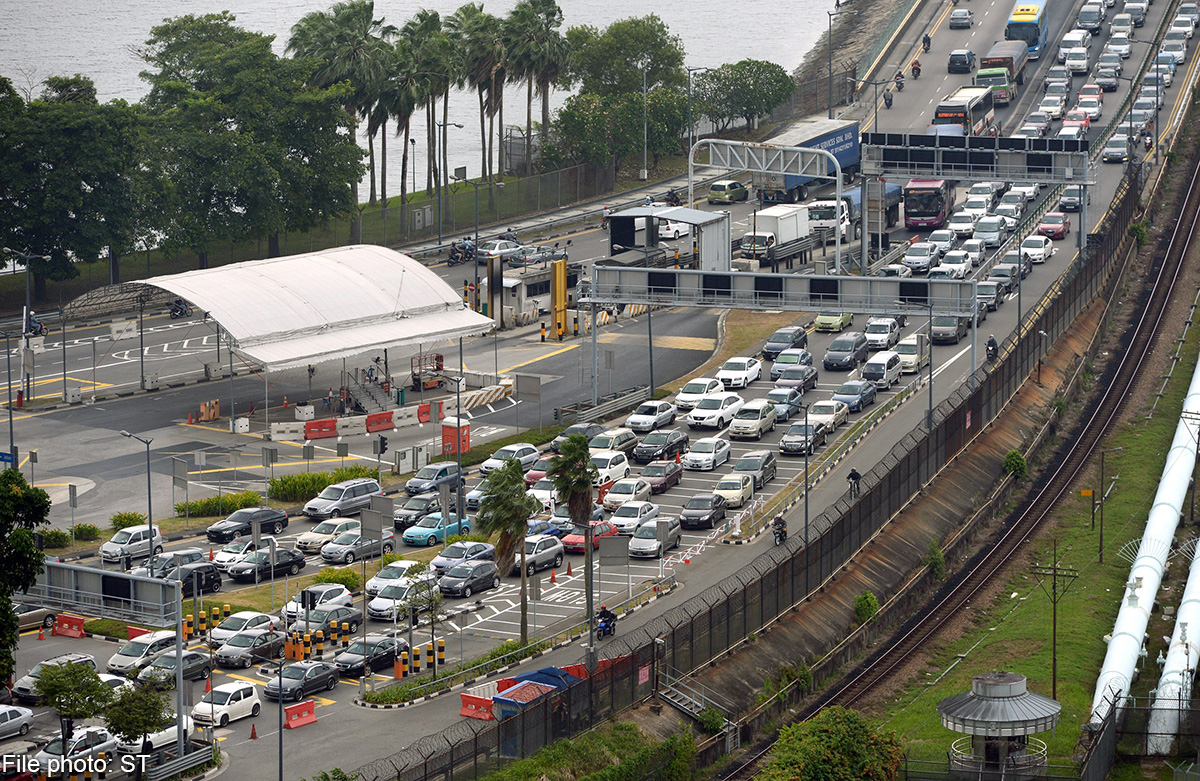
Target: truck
[[824, 214], [778, 233], [1003, 69], [839, 137]]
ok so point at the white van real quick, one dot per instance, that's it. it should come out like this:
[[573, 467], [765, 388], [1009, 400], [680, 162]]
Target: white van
[[914, 352], [1075, 39], [883, 369], [1077, 60]]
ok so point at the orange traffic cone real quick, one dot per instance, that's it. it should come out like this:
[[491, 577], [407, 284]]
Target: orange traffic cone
[[189, 418], [568, 569], [285, 402], [210, 553], [552, 578], [207, 685], [253, 732], [677, 460], [41, 633]]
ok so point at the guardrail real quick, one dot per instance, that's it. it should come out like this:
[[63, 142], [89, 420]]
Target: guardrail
[[180, 764], [585, 412]]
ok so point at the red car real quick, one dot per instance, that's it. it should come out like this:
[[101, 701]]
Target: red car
[[537, 471], [1077, 116], [1054, 225], [574, 542], [661, 475]]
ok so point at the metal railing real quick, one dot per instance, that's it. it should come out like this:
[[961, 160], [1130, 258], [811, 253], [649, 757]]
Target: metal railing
[[180, 764]]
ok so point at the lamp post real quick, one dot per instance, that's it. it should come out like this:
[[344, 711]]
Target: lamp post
[[413, 157], [808, 448], [12, 448], [691, 125], [27, 258], [460, 175], [831, 15], [886, 83], [149, 503], [645, 123], [438, 177], [1102, 496]]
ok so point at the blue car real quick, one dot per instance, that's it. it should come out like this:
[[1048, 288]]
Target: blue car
[[433, 530], [787, 402], [856, 394], [542, 526]]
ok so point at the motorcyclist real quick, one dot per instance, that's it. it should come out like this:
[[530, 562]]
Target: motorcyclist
[[916, 69], [606, 616], [510, 235], [926, 42], [853, 479], [887, 99], [779, 526], [32, 325], [1149, 140], [673, 197], [649, 201], [899, 80], [992, 347]]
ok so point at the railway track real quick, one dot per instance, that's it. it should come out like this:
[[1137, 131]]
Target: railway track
[[967, 584]]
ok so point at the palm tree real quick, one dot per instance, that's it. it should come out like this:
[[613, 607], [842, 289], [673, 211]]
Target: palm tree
[[504, 509], [429, 45], [474, 34], [351, 45], [397, 99], [574, 474], [545, 49], [522, 22]]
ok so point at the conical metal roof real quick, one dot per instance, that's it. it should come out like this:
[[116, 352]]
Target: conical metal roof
[[999, 705]]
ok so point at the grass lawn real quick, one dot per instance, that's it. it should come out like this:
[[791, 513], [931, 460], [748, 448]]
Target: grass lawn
[[1014, 633], [743, 329]]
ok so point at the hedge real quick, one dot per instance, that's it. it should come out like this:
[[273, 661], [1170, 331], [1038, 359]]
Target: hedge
[[55, 538], [302, 486], [124, 520], [87, 532], [218, 505], [344, 575]]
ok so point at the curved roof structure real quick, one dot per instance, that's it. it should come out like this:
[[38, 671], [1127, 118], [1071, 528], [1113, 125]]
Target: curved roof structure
[[301, 309], [999, 705]]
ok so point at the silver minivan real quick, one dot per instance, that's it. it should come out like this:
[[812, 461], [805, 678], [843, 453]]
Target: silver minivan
[[345, 498], [1075, 39], [139, 652], [131, 543], [883, 369]]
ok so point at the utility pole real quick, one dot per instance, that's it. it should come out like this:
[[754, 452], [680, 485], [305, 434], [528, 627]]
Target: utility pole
[[1055, 573]]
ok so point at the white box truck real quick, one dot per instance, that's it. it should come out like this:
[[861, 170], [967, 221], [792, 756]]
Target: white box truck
[[777, 233]]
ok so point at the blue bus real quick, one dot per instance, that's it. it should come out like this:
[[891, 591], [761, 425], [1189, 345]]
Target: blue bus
[[1028, 23]]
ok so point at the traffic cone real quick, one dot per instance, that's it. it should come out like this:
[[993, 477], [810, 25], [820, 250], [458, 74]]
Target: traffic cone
[[189, 418], [552, 578], [253, 732], [41, 633], [568, 569], [677, 460], [210, 553], [285, 402], [208, 684]]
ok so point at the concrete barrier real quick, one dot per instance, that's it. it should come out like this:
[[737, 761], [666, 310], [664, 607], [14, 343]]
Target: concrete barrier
[[379, 421], [320, 429], [353, 425], [122, 329], [288, 431]]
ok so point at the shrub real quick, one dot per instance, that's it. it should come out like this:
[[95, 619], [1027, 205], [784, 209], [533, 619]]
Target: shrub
[[55, 538], [218, 505], [865, 607], [1014, 464], [1141, 232], [711, 720], [472, 537], [344, 575], [936, 561], [126, 519], [87, 532], [303, 486]]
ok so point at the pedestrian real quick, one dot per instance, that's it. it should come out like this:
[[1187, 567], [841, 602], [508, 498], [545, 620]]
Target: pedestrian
[[853, 479], [329, 401]]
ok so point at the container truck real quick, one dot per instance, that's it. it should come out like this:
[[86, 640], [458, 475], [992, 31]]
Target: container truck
[[778, 233], [839, 137], [1003, 69]]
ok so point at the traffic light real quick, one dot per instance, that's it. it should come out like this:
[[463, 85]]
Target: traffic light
[[382, 445], [557, 414]]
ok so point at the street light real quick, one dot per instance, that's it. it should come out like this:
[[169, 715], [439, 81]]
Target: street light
[[26, 258], [929, 305], [438, 176], [831, 15], [645, 122], [460, 175], [691, 125], [809, 444], [1102, 496], [149, 504], [12, 448], [886, 83]]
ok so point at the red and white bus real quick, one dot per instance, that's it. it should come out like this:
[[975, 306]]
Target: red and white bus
[[928, 202]]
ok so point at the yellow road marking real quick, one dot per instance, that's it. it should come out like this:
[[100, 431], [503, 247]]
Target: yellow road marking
[[539, 358], [250, 466], [670, 342]]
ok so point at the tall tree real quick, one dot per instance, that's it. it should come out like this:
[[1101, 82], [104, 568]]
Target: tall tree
[[398, 98], [138, 711], [474, 34], [431, 49], [75, 692], [504, 510], [611, 62], [23, 510], [743, 90], [574, 477], [546, 51], [352, 46]]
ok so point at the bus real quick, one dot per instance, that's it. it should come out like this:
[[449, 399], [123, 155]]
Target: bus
[[1028, 22], [928, 202], [971, 107]]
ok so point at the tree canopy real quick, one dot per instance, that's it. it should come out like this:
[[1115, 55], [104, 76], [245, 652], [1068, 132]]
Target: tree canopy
[[835, 744], [611, 62], [23, 510], [138, 711], [504, 509], [74, 691], [742, 90]]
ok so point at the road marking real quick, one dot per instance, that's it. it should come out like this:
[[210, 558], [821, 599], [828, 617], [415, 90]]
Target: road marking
[[539, 358], [670, 342]]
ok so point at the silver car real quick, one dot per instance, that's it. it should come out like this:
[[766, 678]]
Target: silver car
[[354, 545], [645, 542], [14, 720], [345, 498]]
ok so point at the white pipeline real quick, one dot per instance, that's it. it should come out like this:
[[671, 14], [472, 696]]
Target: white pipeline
[[1145, 576], [1175, 683]]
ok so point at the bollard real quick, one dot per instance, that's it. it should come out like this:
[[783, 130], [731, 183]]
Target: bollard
[[224, 612], [102, 766], [287, 646], [404, 664], [429, 657], [543, 332], [441, 652], [333, 635], [202, 627], [297, 646], [187, 627], [307, 645], [345, 634], [320, 643], [575, 325], [416, 661]]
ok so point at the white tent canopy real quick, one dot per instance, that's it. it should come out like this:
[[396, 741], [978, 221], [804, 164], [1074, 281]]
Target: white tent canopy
[[301, 309]]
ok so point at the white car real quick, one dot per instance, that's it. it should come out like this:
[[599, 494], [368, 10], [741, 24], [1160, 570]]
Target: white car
[[921, 257], [543, 491], [238, 550], [156, 741], [227, 702], [239, 621], [1053, 106], [1039, 249], [1177, 49], [610, 465], [1153, 94], [1121, 44], [669, 229], [715, 410], [497, 248], [1011, 213], [832, 413], [962, 223], [315, 538], [85, 742], [328, 595], [958, 263], [1182, 24], [396, 572], [630, 515], [524, 452], [737, 488], [944, 239], [1090, 105], [630, 489], [1077, 60], [894, 270], [977, 205], [975, 251], [739, 372], [1030, 191], [706, 454], [1164, 72], [694, 390], [649, 415]]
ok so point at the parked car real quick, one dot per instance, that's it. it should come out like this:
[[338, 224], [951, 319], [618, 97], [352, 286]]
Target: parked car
[[258, 566], [15, 720], [754, 419], [327, 619], [24, 689], [846, 352], [201, 577], [585, 430], [432, 476], [241, 524], [858, 394], [161, 672], [299, 680], [156, 741], [463, 580], [801, 437], [345, 498], [256, 645], [736, 488], [354, 545], [694, 390], [524, 452], [369, 654], [542, 551], [661, 475], [801, 378], [86, 743], [433, 529], [627, 517], [414, 509], [630, 489], [30, 617], [227, 702], [325, 532], [788, 338], [237, 550], [575, 541], [161, 566], [661, 445], [703, 511], [324, 595], [707, 454], [646, 541], [239, 621], [395, 600], [759, 464], [139, 652], [649, 416], [461, 551], [610, 465], [739, 372], [132, 543], [789, 358], [616, 439], [715, 410]]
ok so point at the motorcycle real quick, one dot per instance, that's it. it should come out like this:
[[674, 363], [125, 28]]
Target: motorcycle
[[899, 84], [925, 44], [180, 310], [673, 199], [887, 100], [1149, 142], [780, 535], [35, 328], [916, 71], [460, 253], [993, 350], [606, 627]]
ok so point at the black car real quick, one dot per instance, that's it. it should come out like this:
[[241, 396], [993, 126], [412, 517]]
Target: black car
[[463, 580], [241, 524], [257, 566], [803, 438], [1108, 79], [161, 672], [847, 351], [376, 652], [201, 577], [703, 511], [586, 430], [661, 446], [247, 648], [961, 61], [1071, 199], [416, 508], [787, 338], [300, 679]]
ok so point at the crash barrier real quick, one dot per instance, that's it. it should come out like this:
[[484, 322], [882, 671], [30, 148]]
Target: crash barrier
[[123, 329], [136, 631], [173, 767], [379, 421], [349, 426], [717, 619], [320, 429], [66, 625], [291, 431], [300, 714], [210, 410]]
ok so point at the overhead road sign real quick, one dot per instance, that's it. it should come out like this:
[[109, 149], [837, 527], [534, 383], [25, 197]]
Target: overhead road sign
[[977, 158]]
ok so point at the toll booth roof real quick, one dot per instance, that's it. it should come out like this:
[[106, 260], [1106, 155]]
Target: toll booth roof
[[676, 213]]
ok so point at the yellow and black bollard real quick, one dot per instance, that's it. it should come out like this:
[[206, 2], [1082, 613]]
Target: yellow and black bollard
[[224, 612], [404, 664], [307, 645], [320, 643], [345, 634], [575, 325], [202, 627], [101, 766], [187, 627], [543, 332], [441, 657], [429, 656], [333, 635], [416, 661]]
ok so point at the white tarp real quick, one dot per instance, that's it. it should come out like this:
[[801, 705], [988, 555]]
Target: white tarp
[[301, 309]]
